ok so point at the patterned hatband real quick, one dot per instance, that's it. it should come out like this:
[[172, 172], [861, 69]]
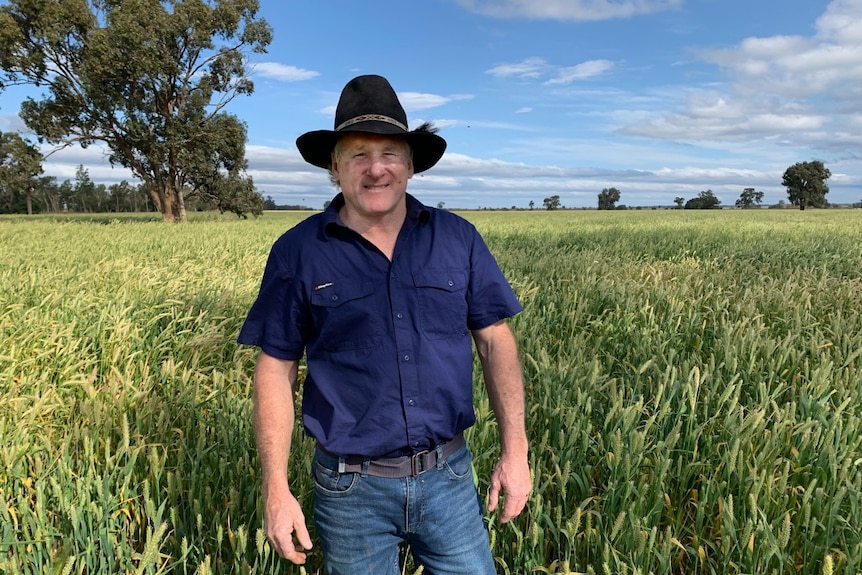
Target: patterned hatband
[[370, 118]]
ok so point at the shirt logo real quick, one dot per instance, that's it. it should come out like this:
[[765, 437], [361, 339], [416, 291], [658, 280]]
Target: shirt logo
[[323, 286]]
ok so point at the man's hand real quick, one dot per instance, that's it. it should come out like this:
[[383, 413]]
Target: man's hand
[[283, 519], [511, 477]]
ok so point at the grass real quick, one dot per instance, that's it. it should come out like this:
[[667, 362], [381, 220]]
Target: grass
[[693, 381]]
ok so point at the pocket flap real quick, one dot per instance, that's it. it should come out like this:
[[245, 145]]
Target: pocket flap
[[448, 280], [334, 294]]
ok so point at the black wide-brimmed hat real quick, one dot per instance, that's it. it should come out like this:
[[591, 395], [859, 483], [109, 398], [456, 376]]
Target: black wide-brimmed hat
[[369, 104]]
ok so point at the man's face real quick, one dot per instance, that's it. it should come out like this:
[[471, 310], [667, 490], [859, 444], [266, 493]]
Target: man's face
[[372, 172]]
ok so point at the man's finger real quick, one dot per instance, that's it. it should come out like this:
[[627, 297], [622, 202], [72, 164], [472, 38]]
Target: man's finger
[[284, 545], [289, 551], [303, 538], [512, 507], [493, 495]]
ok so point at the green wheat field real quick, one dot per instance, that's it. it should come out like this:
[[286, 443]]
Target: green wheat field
[[693, 380]]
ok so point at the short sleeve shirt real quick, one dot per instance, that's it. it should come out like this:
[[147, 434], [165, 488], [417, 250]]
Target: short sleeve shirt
[[387, 343]]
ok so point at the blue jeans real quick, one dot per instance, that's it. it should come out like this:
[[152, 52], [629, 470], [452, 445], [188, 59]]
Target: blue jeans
[[362, 520]]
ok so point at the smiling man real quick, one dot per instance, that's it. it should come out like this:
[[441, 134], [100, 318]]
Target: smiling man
[[385, 297]]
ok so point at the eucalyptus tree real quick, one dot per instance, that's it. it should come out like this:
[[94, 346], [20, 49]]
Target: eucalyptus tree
[[552, 202], [608, 198], [749, 198], [20, 165], [148, 78], [806, 184], [706, 200]]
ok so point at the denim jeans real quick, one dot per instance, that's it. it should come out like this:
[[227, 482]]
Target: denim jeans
[[362, 520]]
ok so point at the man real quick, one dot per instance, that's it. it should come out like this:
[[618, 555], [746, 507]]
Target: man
[[383, 294]]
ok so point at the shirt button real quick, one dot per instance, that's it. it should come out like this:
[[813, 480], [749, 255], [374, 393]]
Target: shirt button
[[411, 402], [406, 358], [335, 298], [400, 316], [451, 283]]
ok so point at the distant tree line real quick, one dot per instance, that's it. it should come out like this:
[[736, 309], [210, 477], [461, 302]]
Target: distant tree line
[[269, 204], [805, 183], [46, 195]]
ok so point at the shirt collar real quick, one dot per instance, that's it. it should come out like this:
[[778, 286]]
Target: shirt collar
[[415, 211]]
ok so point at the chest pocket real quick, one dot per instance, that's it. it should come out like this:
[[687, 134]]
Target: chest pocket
[[345, 316], [442, 302]]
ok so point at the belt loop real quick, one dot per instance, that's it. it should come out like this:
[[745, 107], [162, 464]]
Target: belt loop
[[365, 463], [440, 460], [341, 465]]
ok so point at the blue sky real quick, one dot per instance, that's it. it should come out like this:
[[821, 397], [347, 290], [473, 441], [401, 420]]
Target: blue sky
[[658, 98]]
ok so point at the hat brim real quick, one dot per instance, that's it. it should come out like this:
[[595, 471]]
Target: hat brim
[[316, 147]]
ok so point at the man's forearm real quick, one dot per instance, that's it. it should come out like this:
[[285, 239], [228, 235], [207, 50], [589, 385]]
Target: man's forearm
[[274, 386], [501, 368]]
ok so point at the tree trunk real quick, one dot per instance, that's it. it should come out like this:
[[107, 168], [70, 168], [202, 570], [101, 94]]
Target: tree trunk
[[167, 207], [173, 210], [29, 200], [181, 203], [154, 195]]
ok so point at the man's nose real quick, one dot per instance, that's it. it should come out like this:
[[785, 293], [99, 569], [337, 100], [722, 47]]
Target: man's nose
[[377, 166]]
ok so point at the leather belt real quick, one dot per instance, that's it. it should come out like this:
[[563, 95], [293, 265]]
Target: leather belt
[[397, 467]]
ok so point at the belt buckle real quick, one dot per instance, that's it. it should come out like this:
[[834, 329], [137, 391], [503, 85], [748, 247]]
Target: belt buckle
[[413, 459]]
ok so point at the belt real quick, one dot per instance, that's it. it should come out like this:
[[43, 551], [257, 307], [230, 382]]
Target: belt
[[396, 467]]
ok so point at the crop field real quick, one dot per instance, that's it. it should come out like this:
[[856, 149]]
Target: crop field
[[693, 382]]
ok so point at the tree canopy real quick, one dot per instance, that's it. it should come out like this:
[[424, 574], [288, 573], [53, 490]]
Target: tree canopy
[[705, 200], [806, 184], [552, 202], [147, 79], [749, 198], [608, 198]]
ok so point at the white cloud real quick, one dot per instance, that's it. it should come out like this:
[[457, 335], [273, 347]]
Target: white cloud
[[13, 123], [528, 68], [801, 92], [480, 124], [63, 164], [535, 68], [283, 72], [580, 72], [567, 9], [415, 101], [841, 22], [827, 64], [525, 110]]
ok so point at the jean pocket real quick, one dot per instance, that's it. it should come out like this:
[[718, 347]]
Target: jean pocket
[[459, 464], [331, 483]]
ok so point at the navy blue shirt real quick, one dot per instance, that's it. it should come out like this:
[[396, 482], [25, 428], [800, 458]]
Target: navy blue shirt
[[387, 344]]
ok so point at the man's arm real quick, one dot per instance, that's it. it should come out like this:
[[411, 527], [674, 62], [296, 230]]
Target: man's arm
[[498, 353], [274, 389]]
